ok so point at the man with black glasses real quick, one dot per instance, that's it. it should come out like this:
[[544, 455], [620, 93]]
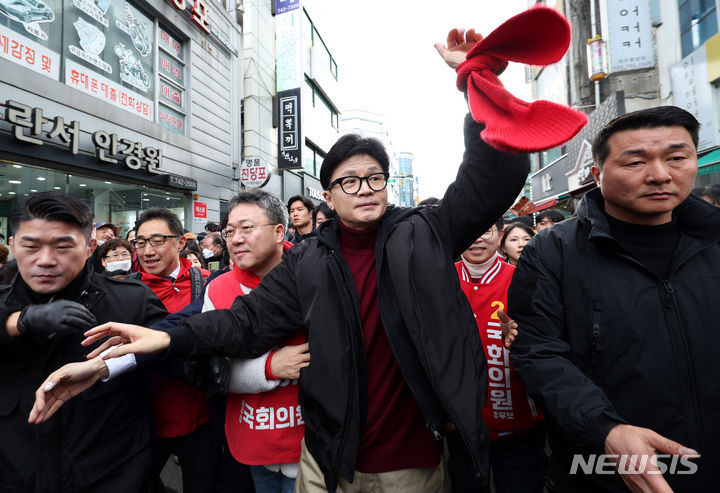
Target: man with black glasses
[[396, 356], [181, 411]]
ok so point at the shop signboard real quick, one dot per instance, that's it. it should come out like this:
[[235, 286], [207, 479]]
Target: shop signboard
[[200, 210], [692, 92], [254, 173], [31, 34], [627, 27], [110, 44]]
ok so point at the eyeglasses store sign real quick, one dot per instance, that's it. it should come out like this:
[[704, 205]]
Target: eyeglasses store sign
[[28, 126]]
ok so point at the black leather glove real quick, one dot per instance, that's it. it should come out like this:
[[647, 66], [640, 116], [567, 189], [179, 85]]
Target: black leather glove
[[61, 315]]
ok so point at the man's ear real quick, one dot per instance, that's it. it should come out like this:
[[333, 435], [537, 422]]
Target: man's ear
[[596, 173], [11, 240], [92, 245], [181, 243], [328, 199]]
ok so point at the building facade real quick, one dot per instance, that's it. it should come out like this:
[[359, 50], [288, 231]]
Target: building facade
[[627, 55], [125, 104]]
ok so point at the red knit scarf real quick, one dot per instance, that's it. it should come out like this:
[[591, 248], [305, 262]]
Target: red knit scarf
[[538, 36]]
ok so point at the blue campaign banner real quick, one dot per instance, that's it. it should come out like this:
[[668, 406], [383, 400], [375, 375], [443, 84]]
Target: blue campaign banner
[[282, 6]]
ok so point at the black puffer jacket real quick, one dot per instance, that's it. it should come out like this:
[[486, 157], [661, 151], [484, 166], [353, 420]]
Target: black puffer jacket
[[602, 340], [425, 314], [98, 441]]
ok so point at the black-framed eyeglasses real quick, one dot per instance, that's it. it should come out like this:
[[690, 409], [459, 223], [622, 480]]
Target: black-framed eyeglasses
[[352, 184], [244, 230], [155, 240]]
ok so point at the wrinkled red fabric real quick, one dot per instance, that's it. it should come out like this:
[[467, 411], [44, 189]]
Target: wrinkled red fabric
[[538, 36]]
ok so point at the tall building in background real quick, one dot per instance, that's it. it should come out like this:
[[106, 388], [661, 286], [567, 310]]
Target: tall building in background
[[369, 124], [627, 55], [406, 180], [126, 104], [307, 115]]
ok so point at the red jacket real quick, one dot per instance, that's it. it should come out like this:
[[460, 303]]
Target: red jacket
[[264, 428], [178, 408], [508, 408]]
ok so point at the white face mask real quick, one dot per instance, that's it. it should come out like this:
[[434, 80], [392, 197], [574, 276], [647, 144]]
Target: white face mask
[[100, 242], [123, 265], [207, 253]]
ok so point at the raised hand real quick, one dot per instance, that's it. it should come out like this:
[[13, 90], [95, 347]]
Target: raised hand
[[459, 43], [64, 384], [509, 329], [61, 315], [128, 339], [287, 361]]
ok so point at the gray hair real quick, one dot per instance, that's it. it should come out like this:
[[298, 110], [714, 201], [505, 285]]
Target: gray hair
[[274, 208]]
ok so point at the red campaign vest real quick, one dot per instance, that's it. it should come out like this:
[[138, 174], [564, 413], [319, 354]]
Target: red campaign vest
[[264, 428], [178, 408], [508, 408]]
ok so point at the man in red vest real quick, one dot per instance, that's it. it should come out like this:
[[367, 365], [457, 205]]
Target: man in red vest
[[263, 423], [517, 435], [181, 411]]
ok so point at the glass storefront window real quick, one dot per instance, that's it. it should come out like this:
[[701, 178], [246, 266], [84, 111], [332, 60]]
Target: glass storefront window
[[110, 201]]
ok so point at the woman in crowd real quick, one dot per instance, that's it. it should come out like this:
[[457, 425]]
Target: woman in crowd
[[322, 213], [514, 239], [116, 257]]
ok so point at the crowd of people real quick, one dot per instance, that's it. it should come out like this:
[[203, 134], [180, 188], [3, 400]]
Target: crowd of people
[[376, 348]]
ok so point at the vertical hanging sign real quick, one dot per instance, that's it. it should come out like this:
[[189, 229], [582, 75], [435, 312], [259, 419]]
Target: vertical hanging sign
[[290, 76]]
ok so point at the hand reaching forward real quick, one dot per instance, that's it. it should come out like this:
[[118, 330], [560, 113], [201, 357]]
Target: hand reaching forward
[[64, 384], [459, 43], [287, 361], [130, 338], [509, 329], [633, 443]]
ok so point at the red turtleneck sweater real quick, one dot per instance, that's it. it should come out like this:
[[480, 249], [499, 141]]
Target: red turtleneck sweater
[[395, 435]]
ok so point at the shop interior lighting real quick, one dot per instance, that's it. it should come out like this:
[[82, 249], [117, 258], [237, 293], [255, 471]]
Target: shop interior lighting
[[33, 190], [11, 193], [109, 182], [16, 166], [83, 185], [41, 178], [57, 188], [15, 182]]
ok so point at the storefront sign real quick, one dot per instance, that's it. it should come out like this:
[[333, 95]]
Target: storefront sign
[[31, 35], [200, 210], [254, 173], [581, 173], [171, 119], [28, 53], [199, 12], [314, 193], [181, 182], [628, 30], [282, 6], [289, 134], [106, 90], [692, 92], [550, 181], [28, 123]]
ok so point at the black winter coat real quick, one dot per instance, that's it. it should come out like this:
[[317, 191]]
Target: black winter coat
[[99, 440], [427, 318], [602, 341]]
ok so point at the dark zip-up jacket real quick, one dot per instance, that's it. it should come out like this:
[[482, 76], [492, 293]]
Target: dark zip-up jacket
[[427, 318], [603, 340], [100, 440]]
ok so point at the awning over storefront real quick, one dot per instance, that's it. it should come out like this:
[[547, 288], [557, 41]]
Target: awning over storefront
[[543, 206]]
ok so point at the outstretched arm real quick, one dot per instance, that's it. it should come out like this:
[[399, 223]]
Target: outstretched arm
[[64, 384]]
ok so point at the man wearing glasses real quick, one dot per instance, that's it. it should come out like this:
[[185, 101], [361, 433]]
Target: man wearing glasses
[[181, 411], [396, 356]]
